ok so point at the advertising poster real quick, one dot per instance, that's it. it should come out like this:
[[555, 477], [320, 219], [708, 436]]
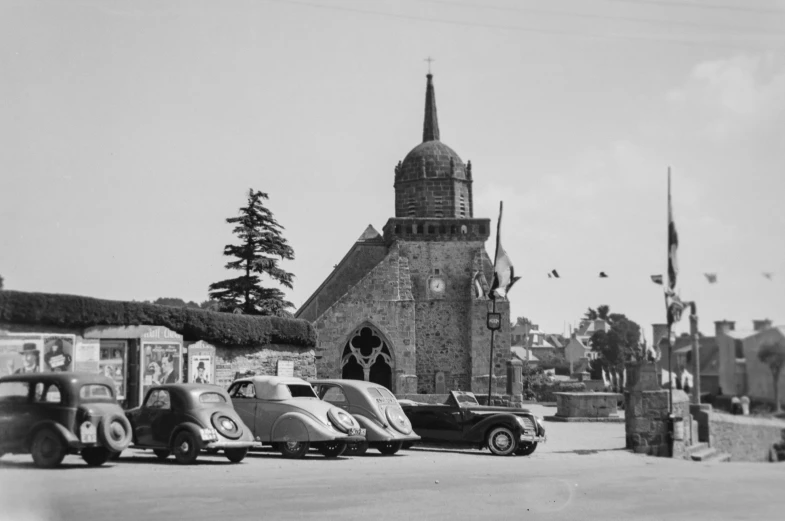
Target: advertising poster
[[111, 363], [200, 369], [160, 364], [58, 353], [86, 355], [20, 354]]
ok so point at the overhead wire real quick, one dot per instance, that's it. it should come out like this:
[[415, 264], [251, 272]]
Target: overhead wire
[[517, 28], [707, 6]]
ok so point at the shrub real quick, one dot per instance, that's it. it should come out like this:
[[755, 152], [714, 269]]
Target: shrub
[[544, 391], [76, 312]]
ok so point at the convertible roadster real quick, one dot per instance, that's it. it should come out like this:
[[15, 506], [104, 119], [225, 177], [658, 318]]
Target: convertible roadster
[[462, 420]]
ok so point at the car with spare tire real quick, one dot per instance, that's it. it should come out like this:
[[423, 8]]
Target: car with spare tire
[[375, 408], [285, 412], [184, 419], [461, 420], [50, 415]]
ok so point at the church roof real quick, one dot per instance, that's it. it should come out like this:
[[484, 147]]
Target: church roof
[[370, 234]]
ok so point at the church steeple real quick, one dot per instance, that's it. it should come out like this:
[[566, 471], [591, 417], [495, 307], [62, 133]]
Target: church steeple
[[430, 128]]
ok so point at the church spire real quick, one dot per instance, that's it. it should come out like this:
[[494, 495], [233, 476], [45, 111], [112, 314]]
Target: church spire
[[430, 129]]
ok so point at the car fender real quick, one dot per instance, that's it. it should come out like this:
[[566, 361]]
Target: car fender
[[68, 437], [373, 431], [293, 426], [187, 426], [480, 430]]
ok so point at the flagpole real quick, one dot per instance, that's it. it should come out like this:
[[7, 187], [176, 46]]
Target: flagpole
[[490, 368], [667, 314], [493, 298]]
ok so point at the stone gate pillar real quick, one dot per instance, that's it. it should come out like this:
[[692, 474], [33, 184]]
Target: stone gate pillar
[[515, 382]]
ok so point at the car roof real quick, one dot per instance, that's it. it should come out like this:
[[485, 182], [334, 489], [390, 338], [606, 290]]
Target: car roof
[[192, 390], [358, 384], [273, 387]]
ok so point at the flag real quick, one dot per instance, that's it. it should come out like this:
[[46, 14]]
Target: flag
[[603, 275], [657, 279], [711, 277], [768, 275], [503, 271], [673, 304], [553, 274]]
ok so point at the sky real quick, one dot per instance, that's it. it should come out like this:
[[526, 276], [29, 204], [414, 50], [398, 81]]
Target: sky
[[132, 129]]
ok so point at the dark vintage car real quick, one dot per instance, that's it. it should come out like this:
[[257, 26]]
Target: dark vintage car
[[50, 415], [462, 420], [286, 413], [186, 418], [375, 408]]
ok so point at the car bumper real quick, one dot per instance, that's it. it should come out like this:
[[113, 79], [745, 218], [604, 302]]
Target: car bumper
[[532, 438], [352, 439], [228, 444]]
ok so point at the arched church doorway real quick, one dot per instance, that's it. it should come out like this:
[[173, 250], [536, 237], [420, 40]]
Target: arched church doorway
[[366, 356]]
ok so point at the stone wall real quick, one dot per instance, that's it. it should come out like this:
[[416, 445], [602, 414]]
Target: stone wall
[[262, 360], [745, 438]]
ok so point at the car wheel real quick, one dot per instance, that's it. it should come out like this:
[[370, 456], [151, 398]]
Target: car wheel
[[48, 449], [332, 449], [95, 456], [502, 441], [526, 448], [356, 449], [114, 456], [115, 432], [161, 454], [186, 448], [235, 455], [294, 449], [388, 448]]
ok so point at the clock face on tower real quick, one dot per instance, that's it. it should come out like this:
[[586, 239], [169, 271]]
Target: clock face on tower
[[437, 285]]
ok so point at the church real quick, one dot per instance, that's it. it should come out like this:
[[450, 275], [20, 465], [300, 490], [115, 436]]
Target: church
[[407, 308]]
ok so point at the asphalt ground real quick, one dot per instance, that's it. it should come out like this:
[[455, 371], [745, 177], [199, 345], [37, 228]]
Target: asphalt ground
[[582, 472]]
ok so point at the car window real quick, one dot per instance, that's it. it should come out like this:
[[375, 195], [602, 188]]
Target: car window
[[14, 392], [94, 391], [301, 391], [243, 390], [386, 393], [46, 393], [159, 400], [373, 391], [333, 394], [212, 398]]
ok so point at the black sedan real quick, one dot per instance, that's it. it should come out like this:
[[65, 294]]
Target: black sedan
[[186, 418], [461, 420]]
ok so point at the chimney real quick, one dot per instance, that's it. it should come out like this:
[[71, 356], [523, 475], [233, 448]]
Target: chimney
[[760, 325], [723, 327]]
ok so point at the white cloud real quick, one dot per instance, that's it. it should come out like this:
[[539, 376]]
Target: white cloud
[[733, 94]]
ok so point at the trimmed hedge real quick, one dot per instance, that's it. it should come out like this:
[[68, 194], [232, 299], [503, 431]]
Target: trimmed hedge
[[71, 311]]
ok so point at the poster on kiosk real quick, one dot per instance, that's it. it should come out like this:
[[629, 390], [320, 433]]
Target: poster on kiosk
[[161, 359]]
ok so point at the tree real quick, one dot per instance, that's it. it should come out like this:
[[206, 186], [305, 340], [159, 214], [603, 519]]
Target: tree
[[773, 355], [600, 313], [527, 326], [1, 282], [175, 302], [262, 246], [617, 346]]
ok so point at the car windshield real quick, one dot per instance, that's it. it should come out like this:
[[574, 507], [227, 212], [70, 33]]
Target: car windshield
[[95, 393], [301, 391], [466, 399], [212, 398]]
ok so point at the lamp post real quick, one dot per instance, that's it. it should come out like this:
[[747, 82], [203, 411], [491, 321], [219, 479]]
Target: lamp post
[[696, 376], [494, 322]]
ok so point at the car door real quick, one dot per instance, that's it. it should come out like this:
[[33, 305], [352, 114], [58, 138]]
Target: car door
[[15, 415], [163, 418], [151, 417], [243, 395], [438, 422]]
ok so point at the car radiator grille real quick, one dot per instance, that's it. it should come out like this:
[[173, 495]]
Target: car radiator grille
[[529, 424]]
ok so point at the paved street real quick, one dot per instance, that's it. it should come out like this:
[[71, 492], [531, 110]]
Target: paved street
[[582, 471]]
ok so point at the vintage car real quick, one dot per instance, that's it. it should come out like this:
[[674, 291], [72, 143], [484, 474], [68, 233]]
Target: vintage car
[[286, 413], [375, 408], [462, 420], [50, 415], [186, 418]]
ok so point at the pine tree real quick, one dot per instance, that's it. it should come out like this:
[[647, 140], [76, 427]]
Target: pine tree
[[261, 248]]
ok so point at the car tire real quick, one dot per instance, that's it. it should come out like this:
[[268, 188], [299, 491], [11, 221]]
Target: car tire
[[162, 454], [294, 449], [186, 448], [114, 456], [356, 449], [48, 449], [95, 456], [236, 455], [388, 448], [501, 441], [332, 449], [526, 448], [115, 432]]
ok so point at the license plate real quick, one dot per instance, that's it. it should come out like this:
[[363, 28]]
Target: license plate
[[356, 432], [87, 433]]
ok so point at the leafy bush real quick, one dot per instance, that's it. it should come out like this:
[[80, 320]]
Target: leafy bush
[[76, 312]]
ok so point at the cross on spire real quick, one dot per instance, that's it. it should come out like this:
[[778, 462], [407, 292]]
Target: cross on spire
[[429, 60]]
